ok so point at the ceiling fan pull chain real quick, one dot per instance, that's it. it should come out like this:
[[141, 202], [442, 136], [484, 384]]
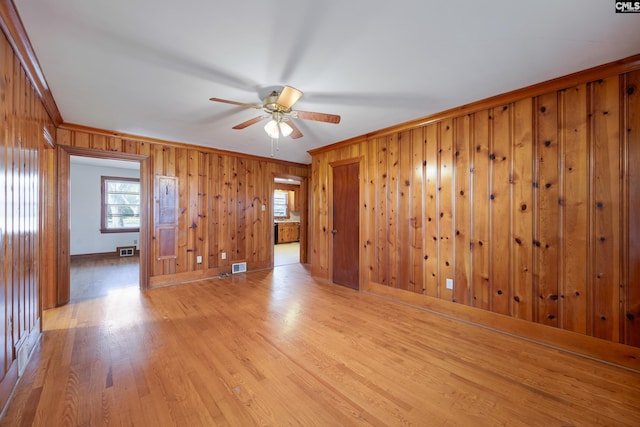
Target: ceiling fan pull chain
[[276, 144]]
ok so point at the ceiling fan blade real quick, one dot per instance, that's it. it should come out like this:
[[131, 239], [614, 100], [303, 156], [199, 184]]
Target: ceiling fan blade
[[242, 104], [249, 122], [288, 97], [318, 117], [296, 132]]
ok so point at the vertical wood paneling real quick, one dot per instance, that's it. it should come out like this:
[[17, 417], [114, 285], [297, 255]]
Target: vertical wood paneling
[[416, 263], [631, 315], [213, 186], [393, 207], [371, 209], [193, 222], [319, 218], [575, 209], [23, 178], [252, 201], [242, 173], [500, 158], [220, 200], [445, 209], [200, 217], [605, 235], [523, 208], [547, 233], [481, 285], [6, 176], [462, 221], [431, 148], [49, 221], [227, 201], [530, 205], [382, 225], [181, 171], [404, 279]]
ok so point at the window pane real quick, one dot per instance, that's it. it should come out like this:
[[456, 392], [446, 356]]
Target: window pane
[[280, 203], [121, 204], [123, 187]]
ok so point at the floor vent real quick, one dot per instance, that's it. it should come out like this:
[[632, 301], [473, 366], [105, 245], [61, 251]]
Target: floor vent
[[127, 251], [239, 267]]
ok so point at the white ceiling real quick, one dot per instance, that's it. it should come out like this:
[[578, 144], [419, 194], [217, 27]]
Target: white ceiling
[[149, 67]]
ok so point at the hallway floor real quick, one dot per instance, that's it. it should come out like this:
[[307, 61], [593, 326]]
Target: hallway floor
[[93, 277], [286, 253]]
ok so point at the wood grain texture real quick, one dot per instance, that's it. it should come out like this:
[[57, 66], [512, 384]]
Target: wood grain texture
[[605, 238], [547, 232], [296, 351], [432, 144], [25, 154], [462, 220], [220, 200], [529, 205], [574, 209], [522, 212], [631, 95]]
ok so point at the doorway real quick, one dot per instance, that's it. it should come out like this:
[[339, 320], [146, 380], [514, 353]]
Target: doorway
[[296, 229], [286, 221], [104, 256], [346, 224], [62, 286]]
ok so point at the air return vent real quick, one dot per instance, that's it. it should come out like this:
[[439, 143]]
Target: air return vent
[[127, 251], [239, 267]]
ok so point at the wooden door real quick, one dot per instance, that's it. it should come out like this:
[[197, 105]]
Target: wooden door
[[346, 225]]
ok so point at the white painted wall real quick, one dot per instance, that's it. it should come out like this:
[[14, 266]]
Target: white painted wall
[[85, 210]]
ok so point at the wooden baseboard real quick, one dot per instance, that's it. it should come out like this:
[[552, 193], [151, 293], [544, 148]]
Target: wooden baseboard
[[583, 345]]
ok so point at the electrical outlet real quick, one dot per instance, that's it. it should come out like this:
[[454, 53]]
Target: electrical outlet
[[223, 255], [264, 208], [135, 241], [199, 259], [449, 284]]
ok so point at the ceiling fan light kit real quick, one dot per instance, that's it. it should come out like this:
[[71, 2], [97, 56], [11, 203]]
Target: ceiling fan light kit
[[276, 127], [278, 106]]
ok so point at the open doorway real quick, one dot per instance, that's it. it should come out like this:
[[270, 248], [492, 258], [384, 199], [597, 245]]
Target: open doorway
[[288, 206], [104, 233]]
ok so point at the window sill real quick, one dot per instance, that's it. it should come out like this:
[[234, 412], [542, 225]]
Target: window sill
[[119, 230]]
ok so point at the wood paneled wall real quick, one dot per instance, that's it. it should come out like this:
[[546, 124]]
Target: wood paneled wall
[[22, 131], [530, 205], [220, 199]]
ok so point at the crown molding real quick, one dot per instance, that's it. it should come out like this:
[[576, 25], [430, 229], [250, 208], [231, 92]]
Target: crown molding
[[146, 139], [621, 66], [16, 35]]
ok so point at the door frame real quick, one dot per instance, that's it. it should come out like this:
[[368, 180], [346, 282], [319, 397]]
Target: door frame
[[304, 215], [361, 269], [63, 285]]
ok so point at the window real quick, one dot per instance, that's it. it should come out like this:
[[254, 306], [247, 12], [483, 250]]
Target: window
[[120, 205], [281, 204]]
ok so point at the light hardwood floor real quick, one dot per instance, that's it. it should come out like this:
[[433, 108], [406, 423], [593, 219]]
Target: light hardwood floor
[[96, 276], [279, 348]]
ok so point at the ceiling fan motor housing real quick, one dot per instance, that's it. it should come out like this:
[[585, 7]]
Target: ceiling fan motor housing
[[270, 102]]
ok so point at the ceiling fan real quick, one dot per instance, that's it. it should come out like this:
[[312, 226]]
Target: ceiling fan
[[278, 106]]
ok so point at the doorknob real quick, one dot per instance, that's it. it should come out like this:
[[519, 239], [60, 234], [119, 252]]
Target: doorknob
[[334, 231]]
